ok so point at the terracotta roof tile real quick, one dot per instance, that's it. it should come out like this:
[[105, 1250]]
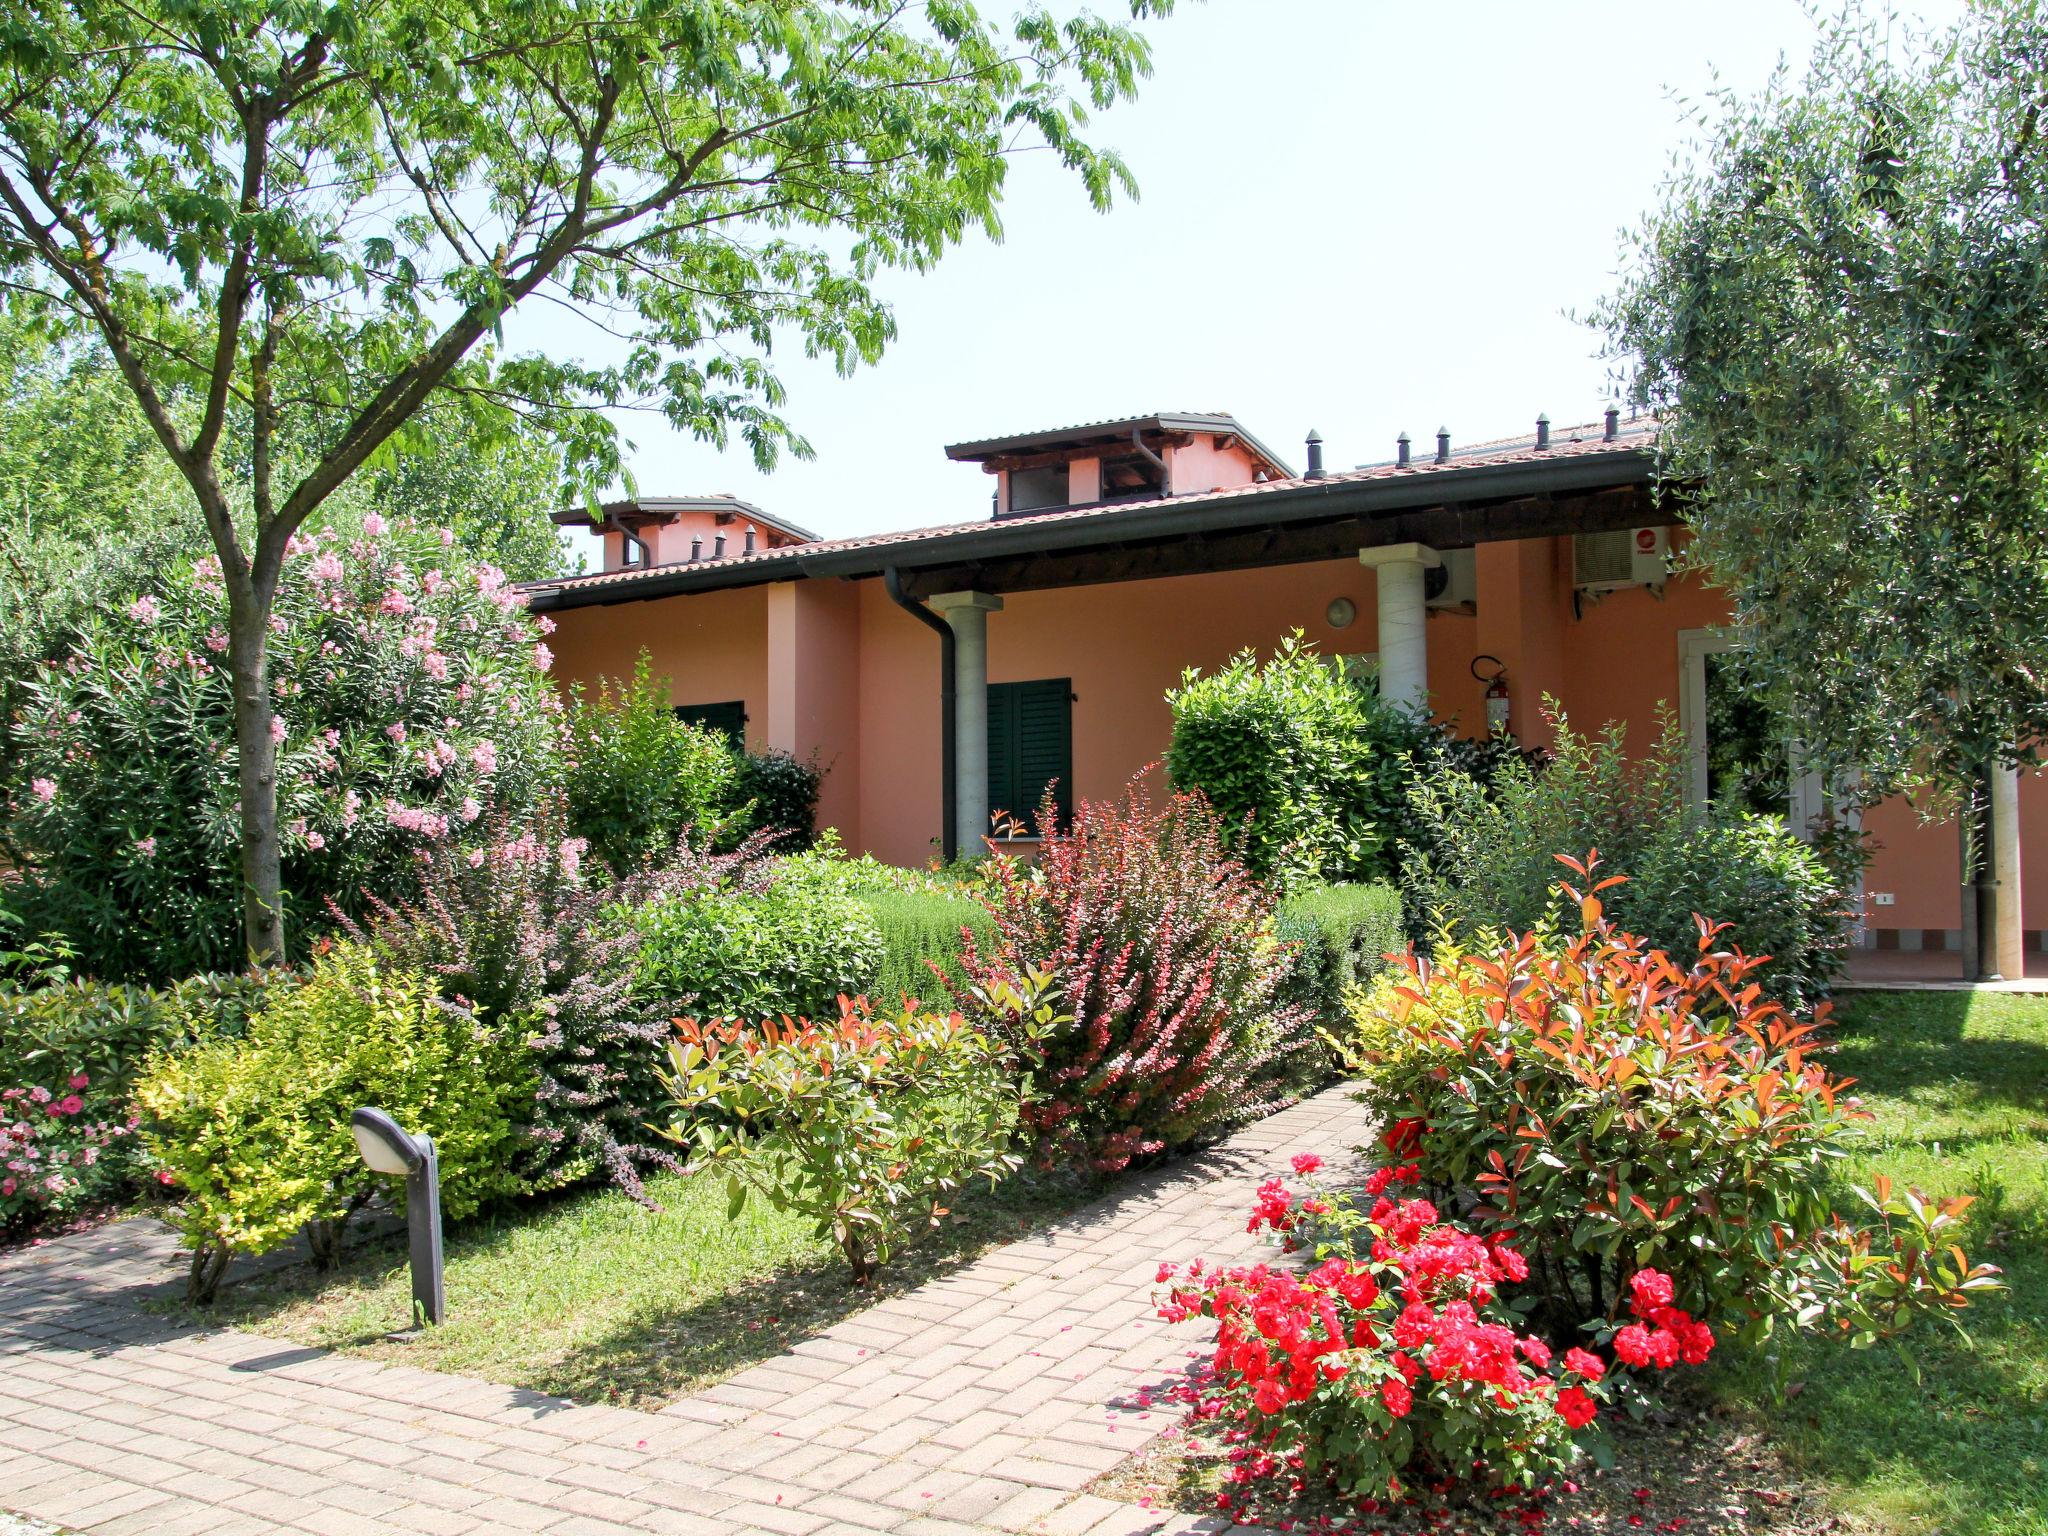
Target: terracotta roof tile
[[1565, 442]]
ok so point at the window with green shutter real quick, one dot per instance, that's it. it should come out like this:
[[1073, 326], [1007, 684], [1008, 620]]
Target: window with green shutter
[[729, 718], [1030, 746]]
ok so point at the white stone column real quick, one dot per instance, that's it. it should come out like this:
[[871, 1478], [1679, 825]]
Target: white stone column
[[2008, 938], [967, 614], [1404, 619]]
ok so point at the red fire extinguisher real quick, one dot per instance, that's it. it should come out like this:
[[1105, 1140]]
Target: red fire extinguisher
[[1497, 705]]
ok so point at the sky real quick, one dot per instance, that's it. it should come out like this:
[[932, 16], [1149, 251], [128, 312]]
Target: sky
[[1356, 216]]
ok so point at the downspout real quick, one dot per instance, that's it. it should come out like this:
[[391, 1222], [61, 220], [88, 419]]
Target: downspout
[[892, 582], [646, 553], [1165, 474]]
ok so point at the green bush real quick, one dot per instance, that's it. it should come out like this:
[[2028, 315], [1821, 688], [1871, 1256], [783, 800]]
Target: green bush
[[863, 1122], [1286, 753], [639, 778], [1490, 860], [775, 793], [1342, 935], [69, 1055], [755, 949], [254, 1132], [920, 930]]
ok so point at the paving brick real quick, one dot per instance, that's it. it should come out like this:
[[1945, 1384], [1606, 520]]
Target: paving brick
[[985, 1400]]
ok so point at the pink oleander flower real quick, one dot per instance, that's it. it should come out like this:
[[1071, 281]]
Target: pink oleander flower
[[543, 658], [216, 639], [395, 603], [144, 610], [146, 846], [45, 791], [327, 569], [447, 538], [485, 755], [374, 527], [471, 809], [315, 841], [396, 730], [277, 730]]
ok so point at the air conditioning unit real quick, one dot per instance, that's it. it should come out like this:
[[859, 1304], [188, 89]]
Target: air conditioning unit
[[1627, 557], [1455, 583]]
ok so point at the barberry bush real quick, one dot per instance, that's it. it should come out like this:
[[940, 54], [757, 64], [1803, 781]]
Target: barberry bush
[[411, 700], [1400, 1356], [1614, 1107], [1164, 950], [867, 1123], [524, 925]]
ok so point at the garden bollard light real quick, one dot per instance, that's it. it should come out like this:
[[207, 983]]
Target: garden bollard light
[[388, 1149]]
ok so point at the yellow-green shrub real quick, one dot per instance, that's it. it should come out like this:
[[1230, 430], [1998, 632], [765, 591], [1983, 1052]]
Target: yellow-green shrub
[[254, 1132]]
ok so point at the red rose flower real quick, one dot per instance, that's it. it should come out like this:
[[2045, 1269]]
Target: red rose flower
[[1651, 1289], [1580, 1363], [1575, 1407]]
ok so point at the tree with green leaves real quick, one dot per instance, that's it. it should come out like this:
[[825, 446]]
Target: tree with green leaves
[[1840, 307], [313, 217]]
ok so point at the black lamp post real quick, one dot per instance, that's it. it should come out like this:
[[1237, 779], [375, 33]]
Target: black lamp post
[[388, 1149]]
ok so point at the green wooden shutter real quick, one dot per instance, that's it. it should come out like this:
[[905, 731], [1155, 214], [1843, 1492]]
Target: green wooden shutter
[[1030, 746], [729, 717]]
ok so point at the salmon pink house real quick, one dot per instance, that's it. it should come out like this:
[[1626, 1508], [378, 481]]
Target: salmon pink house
[[940, 675]]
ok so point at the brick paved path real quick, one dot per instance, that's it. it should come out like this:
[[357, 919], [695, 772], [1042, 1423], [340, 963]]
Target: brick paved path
[[984, 1401]]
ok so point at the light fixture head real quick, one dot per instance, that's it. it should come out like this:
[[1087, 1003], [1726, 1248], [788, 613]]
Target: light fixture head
[[1340, 613], [385, 1147]]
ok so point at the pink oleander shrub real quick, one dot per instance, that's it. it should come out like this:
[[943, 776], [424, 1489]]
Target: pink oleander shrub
[[411, 700], [1403, 1355], [1163, 948]]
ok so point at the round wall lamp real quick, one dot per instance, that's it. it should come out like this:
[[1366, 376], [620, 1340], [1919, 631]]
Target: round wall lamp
[[1340, 613]]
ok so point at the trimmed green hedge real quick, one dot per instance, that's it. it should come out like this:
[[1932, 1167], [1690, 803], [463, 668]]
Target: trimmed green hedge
[[1344, 933], [920, 929]]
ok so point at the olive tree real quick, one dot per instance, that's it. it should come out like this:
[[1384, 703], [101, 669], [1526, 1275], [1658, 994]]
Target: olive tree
[[311, 218], [1840, 306]]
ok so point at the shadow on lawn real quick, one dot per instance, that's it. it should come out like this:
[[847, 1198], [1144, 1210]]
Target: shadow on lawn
[[1958, 1084], [1919, 1046]]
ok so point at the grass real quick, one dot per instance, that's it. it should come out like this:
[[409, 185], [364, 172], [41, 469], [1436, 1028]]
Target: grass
[[593, 1297], [1958, 1084], [921, 929]]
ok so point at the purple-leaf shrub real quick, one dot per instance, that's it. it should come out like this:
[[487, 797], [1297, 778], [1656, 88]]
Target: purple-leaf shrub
[[524, 923], [1163, 949], [411, 701]]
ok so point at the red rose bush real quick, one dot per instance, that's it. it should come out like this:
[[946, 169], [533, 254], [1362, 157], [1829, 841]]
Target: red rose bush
[[1401, 1355]]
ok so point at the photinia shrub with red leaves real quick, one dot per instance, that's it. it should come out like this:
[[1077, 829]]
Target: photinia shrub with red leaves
[[1163, 948], [1398, 1358], [1614, 1108], [866, 1123]]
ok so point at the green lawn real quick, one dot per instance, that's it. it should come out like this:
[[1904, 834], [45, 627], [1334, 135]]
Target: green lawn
[[595, 1298], [1959, 1087]]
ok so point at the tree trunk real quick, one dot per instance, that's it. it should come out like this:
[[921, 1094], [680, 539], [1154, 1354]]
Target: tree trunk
[[256, 754], [202, 1280]]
